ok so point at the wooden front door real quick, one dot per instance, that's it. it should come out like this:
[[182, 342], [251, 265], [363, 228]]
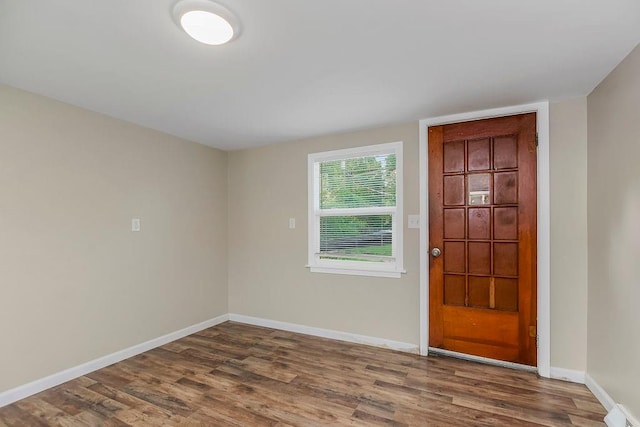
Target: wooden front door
[[482, 232]]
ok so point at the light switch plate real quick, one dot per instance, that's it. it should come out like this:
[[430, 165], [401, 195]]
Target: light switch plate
[[413, 221], [135, 224], [292, 223]]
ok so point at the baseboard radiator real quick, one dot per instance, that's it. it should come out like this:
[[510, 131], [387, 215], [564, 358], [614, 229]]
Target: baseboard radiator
[[618, 416]]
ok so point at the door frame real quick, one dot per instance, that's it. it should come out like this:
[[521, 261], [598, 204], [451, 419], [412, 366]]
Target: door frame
[[544, 221]]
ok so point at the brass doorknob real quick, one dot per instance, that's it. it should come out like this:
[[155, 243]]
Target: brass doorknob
[[436, 252]]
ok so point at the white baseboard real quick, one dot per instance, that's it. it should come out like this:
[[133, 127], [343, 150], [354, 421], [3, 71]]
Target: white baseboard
[[26, 390], [600, 394], [618, 415], [326, 333], [568, 375]]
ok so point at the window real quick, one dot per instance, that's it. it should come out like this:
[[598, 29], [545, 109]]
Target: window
[[355, 211]]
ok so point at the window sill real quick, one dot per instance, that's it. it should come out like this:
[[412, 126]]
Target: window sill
[[395, 274]]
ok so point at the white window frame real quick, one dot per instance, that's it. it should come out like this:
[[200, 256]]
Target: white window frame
[[392, 269]]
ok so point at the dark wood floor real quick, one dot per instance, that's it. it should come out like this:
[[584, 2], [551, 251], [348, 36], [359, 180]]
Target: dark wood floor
[[239, 375]]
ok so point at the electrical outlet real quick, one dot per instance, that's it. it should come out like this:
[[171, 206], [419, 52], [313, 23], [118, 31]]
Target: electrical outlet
[[292, 223]]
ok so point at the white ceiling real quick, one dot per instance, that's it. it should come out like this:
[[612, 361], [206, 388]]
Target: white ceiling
[[303, 68]]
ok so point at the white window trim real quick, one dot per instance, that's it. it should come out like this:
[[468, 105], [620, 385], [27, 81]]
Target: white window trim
[[393, 270]]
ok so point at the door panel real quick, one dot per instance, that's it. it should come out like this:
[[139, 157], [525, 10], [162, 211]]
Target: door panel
[[482, 215]]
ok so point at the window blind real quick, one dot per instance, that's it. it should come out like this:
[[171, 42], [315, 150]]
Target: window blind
[[357, 185]]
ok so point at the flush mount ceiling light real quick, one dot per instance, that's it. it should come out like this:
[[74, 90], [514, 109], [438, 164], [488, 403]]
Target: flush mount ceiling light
[[206, 21]]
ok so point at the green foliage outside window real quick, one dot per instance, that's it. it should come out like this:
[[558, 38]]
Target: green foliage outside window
[[361, 182]]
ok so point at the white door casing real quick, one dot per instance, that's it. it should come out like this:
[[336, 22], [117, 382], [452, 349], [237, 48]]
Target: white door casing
[[544, 222]]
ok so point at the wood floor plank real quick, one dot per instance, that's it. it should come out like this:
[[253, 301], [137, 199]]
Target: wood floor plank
[[49, 413], [13, 415], [584, 422], [266, 392], [232, 411], [591, 405], [138, 412], [234, 375], [456, 387], [435, 412], [539, 416]]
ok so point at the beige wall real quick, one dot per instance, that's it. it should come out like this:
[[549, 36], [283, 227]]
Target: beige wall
[[568, 182], [267, 277], [75, 282], [75, 278], [267, 274], [614, 233]]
